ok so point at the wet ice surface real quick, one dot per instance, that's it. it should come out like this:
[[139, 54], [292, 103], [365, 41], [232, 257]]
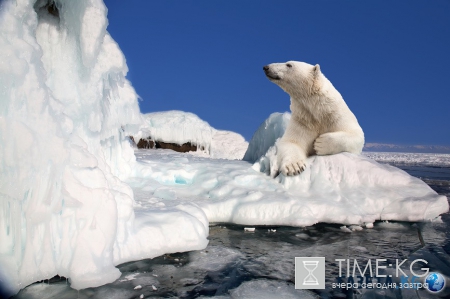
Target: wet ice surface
[[240, 264]]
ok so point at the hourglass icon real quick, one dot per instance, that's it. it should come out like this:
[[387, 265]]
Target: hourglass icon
[[310, 279]]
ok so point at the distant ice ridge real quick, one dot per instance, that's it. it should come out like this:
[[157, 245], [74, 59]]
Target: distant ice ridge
[[440, 160], [65, 112], [181, 127], [386, 147]]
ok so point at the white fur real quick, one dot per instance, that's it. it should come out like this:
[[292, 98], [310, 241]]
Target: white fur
[[321, 121]]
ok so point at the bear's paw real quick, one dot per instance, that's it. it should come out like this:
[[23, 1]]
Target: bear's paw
[[292, 167]]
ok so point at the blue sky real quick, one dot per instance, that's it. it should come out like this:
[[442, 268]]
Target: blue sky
[[389, 59]]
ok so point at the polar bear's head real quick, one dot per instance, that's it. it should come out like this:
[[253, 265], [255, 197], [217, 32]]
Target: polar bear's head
[[295, 77]]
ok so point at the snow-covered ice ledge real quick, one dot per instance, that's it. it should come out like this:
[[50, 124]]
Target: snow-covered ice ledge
[[343, 188], [351, 189]]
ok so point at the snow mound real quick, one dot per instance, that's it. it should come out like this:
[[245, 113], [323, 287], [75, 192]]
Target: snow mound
[[181, 127], [176, 127], [266, 135], [351, 189]]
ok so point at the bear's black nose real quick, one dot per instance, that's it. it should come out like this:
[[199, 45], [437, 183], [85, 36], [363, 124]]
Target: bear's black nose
[[266, 68]]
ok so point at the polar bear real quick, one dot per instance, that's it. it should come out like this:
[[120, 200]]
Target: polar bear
[[321, 122]]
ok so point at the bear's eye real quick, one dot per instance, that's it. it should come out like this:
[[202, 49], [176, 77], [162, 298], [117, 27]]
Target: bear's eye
[[288, 65]]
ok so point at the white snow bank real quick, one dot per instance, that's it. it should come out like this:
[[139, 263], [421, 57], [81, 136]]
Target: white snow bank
[[342, 188], [176, 127], [181, 127], [266, 135], [440, 160], [65, 111]]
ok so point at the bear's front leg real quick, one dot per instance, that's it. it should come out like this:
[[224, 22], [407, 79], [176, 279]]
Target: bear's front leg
[[338, 142], [291, 158]]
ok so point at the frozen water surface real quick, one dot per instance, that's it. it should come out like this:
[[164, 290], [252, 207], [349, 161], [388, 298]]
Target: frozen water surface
[[234, 257]]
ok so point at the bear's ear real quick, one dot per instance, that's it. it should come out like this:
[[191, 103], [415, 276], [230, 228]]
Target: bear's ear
[[316, 70], [316, 79]]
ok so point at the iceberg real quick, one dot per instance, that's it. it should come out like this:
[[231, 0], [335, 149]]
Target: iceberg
[[66, 110]]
